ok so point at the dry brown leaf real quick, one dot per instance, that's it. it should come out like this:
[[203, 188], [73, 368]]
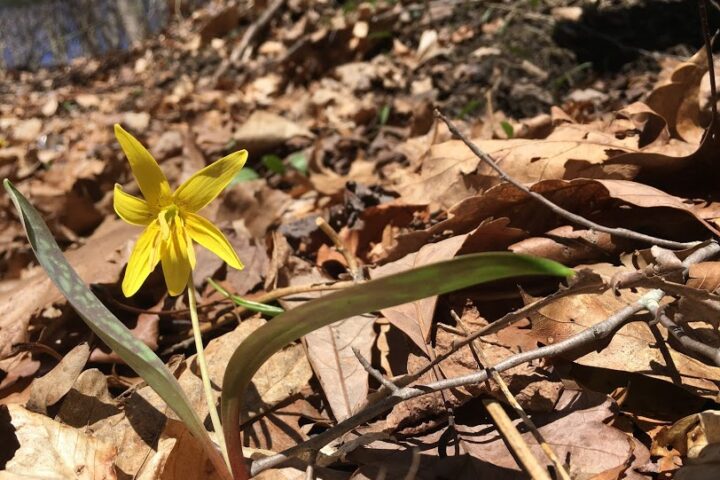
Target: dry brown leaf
[[705, 275], [697, 439], [631, 349], [490, 234], [51, 387], [285, 426], [88, 401], [451, 172], [218, 22], [592, 198], [531, 385], [145, 428], [280, 254], [48, 449], [570, 246], [261, 205], [330, 351], [253, 255], [576, 431], [415, 319], [283, 375], [36, 292], [264, 131], [677, 100], [328, 182]]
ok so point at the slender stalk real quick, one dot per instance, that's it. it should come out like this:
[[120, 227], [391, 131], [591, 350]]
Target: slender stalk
[[202, 363]]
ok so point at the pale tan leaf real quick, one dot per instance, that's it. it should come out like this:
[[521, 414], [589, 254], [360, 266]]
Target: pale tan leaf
[[51, 450], [330, 351]]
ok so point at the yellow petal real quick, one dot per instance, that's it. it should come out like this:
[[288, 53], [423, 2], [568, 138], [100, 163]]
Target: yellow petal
[[131, 209], [175, 261], [143, 259], [153, 184], [190, 249], [206, 234], [206, 184]]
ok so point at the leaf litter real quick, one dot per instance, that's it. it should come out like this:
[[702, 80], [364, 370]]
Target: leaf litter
[[335, 106]]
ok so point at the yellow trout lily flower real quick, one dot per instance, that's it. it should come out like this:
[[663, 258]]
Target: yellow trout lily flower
[[171, 219]]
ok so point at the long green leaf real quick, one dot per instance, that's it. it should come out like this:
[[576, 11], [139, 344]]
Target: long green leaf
[[404, 287], [263, 308], [106, 326]]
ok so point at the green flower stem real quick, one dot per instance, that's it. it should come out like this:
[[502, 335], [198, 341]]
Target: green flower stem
[[202, 363]]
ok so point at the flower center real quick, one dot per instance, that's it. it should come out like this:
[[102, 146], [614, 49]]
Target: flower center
[[170, 219]]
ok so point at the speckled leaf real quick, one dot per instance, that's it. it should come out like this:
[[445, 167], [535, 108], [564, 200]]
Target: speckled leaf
[[404, 287], [106, 326]]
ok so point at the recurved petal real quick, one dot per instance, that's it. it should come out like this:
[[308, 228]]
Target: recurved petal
[[143, 259], [206, 184], [153, 184], [176, 262], [131, 209], [206, 234]]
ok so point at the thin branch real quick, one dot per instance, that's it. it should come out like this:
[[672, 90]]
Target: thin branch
[[353, 267], [483, 362], [373, 372], [510, 318], [712, 353], [248, 37], [515, 441], [648, 301], [678, 332], [162, 312], [414, 465], [577, 219], [708, 51], [581, 339]]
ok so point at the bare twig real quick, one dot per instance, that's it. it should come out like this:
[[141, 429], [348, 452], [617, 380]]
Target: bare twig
[[107, 296], [32, 347], [503, 322], [248, 37], [712, 353], [708, 50], [375, 373], [515, 441], [671, 288], [581, 339], [678, 332], [482, 361], [414, 465], [577, 219], [353, 267]]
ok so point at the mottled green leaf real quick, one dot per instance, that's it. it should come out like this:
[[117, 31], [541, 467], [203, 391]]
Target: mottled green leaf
[[404, 287], [107, 327]]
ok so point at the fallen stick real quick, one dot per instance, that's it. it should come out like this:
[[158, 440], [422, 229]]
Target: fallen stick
[[577, 219], [248, 37], [584, 338]]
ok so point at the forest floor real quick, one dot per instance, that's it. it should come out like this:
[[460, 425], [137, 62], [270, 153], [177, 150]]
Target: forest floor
[[604, 108]]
